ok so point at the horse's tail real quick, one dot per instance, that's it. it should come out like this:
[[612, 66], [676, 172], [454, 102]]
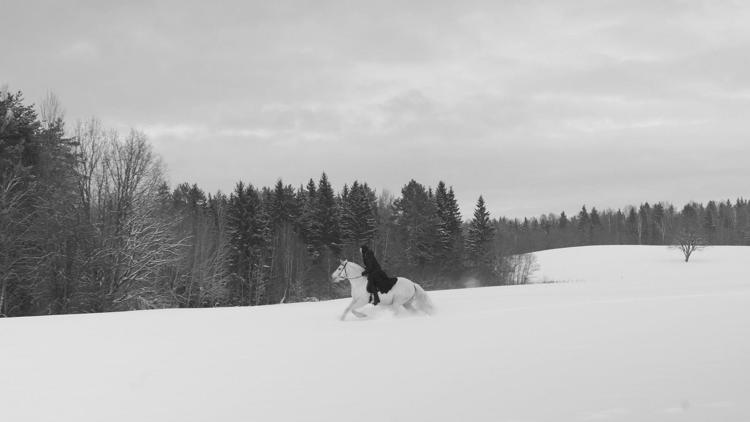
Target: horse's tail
[[422, 301]]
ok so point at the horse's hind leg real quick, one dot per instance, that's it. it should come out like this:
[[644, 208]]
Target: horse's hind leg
[[397, 307], [410, 307]]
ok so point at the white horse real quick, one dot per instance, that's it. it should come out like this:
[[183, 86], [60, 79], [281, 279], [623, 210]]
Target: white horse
[[404, 293]]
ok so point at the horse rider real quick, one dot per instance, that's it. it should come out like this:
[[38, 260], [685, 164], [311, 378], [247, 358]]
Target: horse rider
[[377, 279]]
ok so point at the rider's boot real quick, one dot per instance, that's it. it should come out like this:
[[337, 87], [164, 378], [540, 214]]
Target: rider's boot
[[376, 299]]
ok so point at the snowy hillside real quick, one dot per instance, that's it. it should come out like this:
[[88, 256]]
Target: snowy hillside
[[635, 334]]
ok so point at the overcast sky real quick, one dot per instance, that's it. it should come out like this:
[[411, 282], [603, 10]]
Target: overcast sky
[[539, 106]]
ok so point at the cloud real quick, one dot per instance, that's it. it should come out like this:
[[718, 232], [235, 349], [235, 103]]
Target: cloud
[[539, 105], [80, 50]]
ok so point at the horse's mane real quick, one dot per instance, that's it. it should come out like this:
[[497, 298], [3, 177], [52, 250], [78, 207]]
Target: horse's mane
[[355, 263]]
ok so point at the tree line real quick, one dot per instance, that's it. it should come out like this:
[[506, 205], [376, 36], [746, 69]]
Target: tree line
[[715, 223], [88, 224]]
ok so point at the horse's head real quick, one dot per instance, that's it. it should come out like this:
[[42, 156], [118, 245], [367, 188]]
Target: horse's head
[[341, 272]]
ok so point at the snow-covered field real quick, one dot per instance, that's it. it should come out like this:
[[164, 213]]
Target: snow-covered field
[[634, 334]]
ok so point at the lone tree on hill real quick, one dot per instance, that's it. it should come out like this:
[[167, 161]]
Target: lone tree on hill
[[688, 241]]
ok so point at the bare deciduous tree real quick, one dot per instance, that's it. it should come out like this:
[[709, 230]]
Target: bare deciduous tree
[[13, 227], [50, 109], [134, 242], [6, 118], [515, 269], [138, 241], [89, 147], [147, 246], [688, 241]]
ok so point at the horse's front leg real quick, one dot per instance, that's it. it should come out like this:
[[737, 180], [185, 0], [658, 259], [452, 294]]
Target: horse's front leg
[[348, 308], [358, 303], [358, 314]]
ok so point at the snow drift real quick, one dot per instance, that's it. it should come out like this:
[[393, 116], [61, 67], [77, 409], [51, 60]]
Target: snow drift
[[629, 333]]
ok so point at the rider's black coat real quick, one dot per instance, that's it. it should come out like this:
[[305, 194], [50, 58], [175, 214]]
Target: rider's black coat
[[377, 279]]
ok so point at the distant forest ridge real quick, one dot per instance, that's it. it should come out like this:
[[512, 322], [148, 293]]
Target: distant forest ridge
[[88, 224]]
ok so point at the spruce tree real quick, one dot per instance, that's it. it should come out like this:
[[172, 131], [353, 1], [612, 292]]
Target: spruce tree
[[658, 223], [583, 219], [710, 224], [595, 225], [326, 215], [310, 227], [283, 205], [595, 219], [632, 223], [689, 218], [247, 229], [479, 238], [450, 223], [619, 226], [645, 234], [20, 128], [453, 214], [357, 215], [563, 221], [42, 232], [418, 224]]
